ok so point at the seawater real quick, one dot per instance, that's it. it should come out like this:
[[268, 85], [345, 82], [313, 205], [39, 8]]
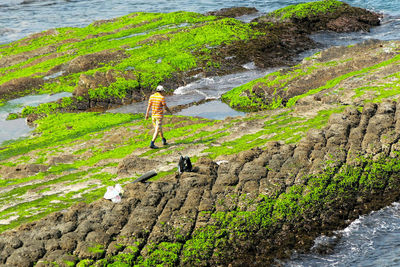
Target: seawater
[[19, 18], [14, 129], [372, 240]]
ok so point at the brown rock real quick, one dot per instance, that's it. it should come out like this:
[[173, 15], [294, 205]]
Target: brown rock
[[88, 250], [250, 171], [133, 165], [25, 256], [22, 57], [20, 85], [68, 242], [233, 12], [52, 245], [24, 170], [92, 61], [62, 159], [344, 19]]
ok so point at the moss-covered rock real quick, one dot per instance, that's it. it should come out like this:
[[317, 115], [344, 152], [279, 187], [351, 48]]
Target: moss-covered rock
[[148, 48], [258, 206], [283, 177], [336, 75], [119, 61], [325, 15]]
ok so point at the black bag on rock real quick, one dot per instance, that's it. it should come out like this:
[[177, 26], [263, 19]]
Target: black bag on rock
[[184, 165]]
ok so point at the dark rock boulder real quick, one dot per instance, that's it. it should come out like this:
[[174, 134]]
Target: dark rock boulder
[[278, 47], [26, 256], [233, 12]]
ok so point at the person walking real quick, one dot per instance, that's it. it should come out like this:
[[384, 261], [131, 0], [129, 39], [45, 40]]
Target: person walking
[[157, 105]]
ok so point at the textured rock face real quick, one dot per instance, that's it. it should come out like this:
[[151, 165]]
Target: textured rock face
[[16, 59], [100, 79], [151, 212], [171, 210], [134, 164], [20, 85], [92, 61]]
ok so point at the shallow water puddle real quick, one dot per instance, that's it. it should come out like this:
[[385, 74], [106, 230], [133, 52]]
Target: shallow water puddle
[[14, 129]]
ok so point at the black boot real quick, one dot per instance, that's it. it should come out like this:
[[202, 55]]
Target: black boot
[[152, 145], [164, 142]]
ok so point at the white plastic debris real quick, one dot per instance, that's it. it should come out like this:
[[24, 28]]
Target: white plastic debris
[[119, 189], [114, 193], [116, 199]]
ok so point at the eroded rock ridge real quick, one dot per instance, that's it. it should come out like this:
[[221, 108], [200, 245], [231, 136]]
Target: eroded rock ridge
[[155, 212]]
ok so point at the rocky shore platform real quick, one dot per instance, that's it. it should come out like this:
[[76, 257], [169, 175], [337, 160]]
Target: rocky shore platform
[[256, 193], [320, 148], [254, 207], [119, 61]]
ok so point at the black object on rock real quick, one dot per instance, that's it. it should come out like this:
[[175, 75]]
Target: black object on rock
[[184, 165], [145, 176]]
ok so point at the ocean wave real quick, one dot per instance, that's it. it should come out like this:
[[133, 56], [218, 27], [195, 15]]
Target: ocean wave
[[27, 2], [371, 240], [6, 31], [14, 4], [44, 2]]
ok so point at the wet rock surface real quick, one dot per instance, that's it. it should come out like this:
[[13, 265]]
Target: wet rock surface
[[151, 212]]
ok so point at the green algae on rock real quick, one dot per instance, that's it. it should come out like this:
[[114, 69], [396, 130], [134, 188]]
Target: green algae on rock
[[84, 151], [330, 15], [322, 77], [281, 197], [218, 214], [136, 52], [305, 10], [118, 61]]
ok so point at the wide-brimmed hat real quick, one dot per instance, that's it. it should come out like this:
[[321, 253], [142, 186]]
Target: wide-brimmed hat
[[160, 88]]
